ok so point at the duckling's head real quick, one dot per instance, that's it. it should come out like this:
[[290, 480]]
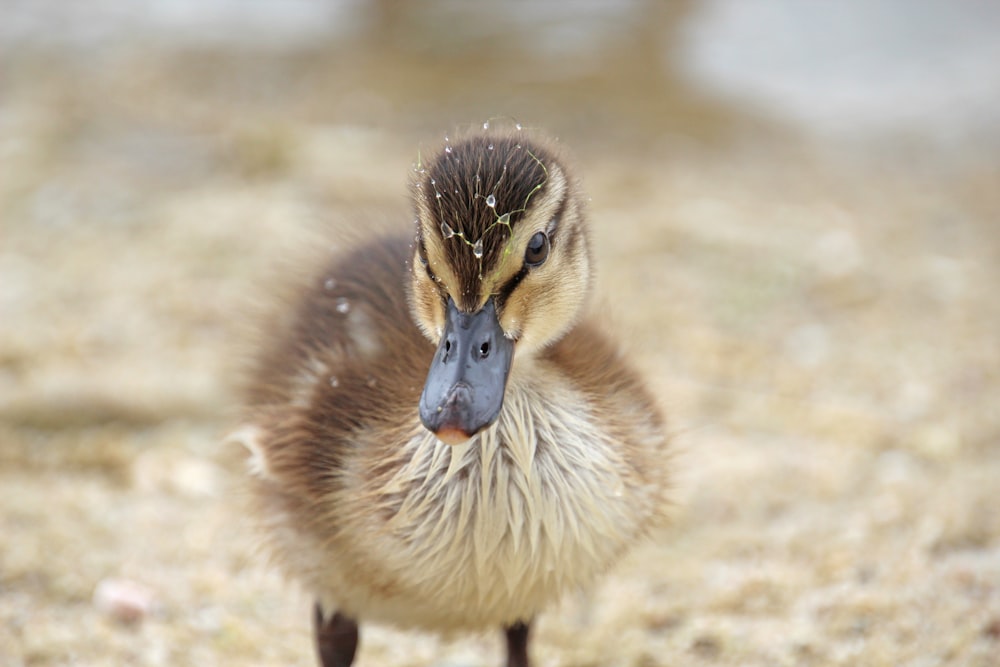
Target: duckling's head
[[501, 269]]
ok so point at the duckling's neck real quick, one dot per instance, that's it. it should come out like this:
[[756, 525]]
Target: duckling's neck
[[537, 498]]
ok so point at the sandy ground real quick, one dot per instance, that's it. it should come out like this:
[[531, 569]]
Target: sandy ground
[[819, 321]]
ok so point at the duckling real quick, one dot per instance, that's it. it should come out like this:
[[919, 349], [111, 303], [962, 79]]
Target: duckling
[[441, 438]]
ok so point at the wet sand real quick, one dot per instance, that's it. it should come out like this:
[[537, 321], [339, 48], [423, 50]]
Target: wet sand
[[818, 319]]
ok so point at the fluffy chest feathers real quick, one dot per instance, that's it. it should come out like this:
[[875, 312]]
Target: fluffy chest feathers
[[490, 531], [441, 437]]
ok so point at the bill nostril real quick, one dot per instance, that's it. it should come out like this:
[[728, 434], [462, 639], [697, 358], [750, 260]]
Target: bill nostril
[[484, 350]]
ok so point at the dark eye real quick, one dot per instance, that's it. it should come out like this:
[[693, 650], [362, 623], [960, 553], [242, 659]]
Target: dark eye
[[538, 249], [421, 251]]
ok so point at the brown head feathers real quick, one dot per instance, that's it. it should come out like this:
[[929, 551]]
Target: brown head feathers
[[471, 196]]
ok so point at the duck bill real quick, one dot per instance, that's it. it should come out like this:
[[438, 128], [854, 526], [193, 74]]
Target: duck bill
[[467, 378]]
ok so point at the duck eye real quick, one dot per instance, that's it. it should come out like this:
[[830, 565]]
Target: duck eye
[[538, 249], [421, 252]]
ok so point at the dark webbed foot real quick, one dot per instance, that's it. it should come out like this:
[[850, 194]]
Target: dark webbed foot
[[336, 638], [517, 644]]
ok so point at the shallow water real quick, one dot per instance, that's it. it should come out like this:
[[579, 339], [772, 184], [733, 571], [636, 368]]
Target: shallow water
[[888, 66]]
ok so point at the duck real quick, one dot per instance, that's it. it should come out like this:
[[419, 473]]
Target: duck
[[443, 434]]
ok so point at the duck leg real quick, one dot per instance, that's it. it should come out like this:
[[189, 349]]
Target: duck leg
[[336, 638], [517, 644]]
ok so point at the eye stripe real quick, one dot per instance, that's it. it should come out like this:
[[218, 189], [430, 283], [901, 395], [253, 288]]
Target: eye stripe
[[422, 250], [508, 287], [437, 282], [556, 219]]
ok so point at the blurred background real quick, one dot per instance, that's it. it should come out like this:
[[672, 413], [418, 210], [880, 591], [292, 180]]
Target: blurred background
[[796, 209]]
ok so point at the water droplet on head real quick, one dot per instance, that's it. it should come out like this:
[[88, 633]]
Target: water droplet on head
[[437, 195], [491, 201], [334, 382], [486, 125], [477, 249], [517, 126], [490, 147], [343, 306], [447, 149], [372, 381], [504, 219], [446, 230], [329, 284]]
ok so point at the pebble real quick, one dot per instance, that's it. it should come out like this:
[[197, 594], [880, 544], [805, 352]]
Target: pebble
[[123, 600]]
